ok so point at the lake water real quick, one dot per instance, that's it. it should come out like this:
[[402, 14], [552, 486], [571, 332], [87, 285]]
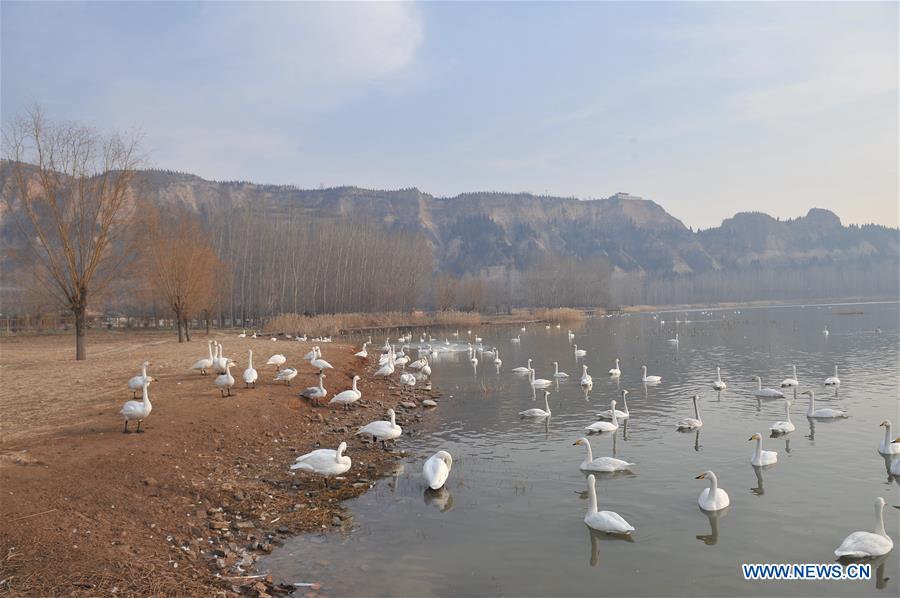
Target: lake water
[[510, 521]]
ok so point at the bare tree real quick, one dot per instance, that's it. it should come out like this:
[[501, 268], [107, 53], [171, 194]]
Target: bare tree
[[68, 194]]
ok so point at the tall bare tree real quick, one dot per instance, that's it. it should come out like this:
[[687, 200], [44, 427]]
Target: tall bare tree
[[69, 194]]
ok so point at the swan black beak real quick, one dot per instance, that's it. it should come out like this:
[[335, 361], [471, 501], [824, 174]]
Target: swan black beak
[[751, 438], [700, 477]]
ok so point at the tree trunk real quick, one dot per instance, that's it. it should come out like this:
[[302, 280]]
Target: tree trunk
[[80, 332], [178, 322], [187, 330]]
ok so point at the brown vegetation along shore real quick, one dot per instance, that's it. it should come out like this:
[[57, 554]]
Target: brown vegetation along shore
[[184, 508]]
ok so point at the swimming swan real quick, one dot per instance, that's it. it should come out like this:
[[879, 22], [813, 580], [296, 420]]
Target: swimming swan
[[579, 352], [601, 464], [787, 426], [610, 426], [615, 372], [791, 382], [536, 412], [887, 447], [619, 414], [833, 380], [604, 521], [766, 393], [712, 498], [586, 379], [539, 382], [717, 383], [138, 410], [692, 423], [649, 379], [867, 544], [522, 370], [761, 457], [823, 413], [437, 469], [557, 373]]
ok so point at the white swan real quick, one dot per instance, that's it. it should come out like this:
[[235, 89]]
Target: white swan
[[387, 369], [316, 392], [887, 446], [286, 375], [516, 339], [205, 363], [250, 374], [619, 414], [137, 382], [225, 381], [895, 463], [523, 370], [383, 430], [761, 457], [603, 426], [766, 393], [579, 352], [557, 373], [823, 413], [277, 360], [649, 379], [539, 382], [604, 521], [536, 412], [786, 426], [673, 341], [791, 382], [867, 544], [615, 372], [437, 469], [419, 363], [362, 352], [347, 397], [319, 363], [571, 335], [138, 410], [833, 380], [324, 462], [497, 360], [601, 464], [692, 423], [717, 383], [220, 361], [243, 334], [311, 354], [586, 379], [712, 498]]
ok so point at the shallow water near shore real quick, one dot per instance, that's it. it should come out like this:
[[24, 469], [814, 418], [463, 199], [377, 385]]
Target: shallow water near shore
[[510, 520]]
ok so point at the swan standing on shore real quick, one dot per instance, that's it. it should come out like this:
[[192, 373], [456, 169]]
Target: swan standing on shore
[[382, 430], [205, 363], [557, 373], [277, 360], [787, 426], [615, 372], [717, 383], [437, 469], [887, 446], [324, 462], [833, 380], [362, 352], [286, 375], [220, 360], [137, 382], [523, 370], [347, 397], [319, 363], [620, 415], [601, 464], [823, 413], [586, 379], [604, 521], [250, 374], [610, 426], [867, 544], [712, 498], [649, 379], [225, 381], [766, 393], [692, 423], [137, 410], [314, 393], [761, 457], [536, 412]]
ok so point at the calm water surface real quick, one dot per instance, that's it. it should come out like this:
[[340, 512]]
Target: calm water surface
[[510, 523]]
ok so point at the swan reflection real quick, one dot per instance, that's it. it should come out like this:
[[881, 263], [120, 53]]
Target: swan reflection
[[712, 538], [598, 537], [441, 498], [759, 489]]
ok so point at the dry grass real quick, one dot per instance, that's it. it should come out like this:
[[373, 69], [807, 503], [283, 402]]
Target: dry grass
[[339, 323], [558, 314]]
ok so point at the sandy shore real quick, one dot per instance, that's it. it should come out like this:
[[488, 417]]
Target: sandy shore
[[185, 508]]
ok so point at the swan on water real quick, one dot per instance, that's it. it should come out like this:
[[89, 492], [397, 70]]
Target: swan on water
[[137, 410], [277, 360], [791, 382], [205, 363], [382, 430], [571, 335], [225, 381], [620, 415], [887, 446], [557, 373], [823, 413], [536, 412], [761, 457], [717, 383], [437, 469], [137, 382], [316, 392], [867, 544], [649, 379], [673, 341], [712, 498], [516, 339], [324, 462], [497, 360], [579, 352], [538, 382], [766, 393], [523, 369], [615, 372], [786, 426], [895, 463], [250, 374], [601, 464], [833, 380], [692, 423], [286, 375], [604, 521], [604, 426], [586, 379]]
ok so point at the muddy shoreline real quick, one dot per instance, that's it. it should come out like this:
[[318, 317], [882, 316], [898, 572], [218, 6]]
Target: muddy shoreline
[[188, 506]]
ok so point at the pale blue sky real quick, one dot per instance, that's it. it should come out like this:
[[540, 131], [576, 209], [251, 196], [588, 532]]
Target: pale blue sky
[[707, 108]]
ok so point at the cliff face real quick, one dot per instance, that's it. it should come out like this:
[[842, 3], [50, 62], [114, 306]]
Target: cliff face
[[475, 231]]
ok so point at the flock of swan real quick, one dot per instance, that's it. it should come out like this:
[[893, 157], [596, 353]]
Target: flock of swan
[[436, 469]]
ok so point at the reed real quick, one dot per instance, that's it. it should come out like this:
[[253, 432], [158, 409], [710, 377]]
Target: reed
[[331, 324], [558, 314]]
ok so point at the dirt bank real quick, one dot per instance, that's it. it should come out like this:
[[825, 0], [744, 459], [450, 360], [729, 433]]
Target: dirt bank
[[184, 508]]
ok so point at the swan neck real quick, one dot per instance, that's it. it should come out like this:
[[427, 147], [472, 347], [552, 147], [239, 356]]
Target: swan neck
[[759, 447], [590, 453], [615, 420], [393, 419], [592, 492], [146, 395], [250, 361], [713, 485], [354, 388], [546, 404], [879, 520], [696, 409], [887, 436]]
